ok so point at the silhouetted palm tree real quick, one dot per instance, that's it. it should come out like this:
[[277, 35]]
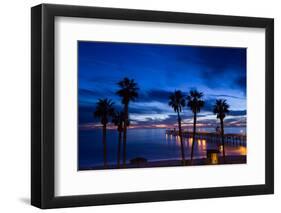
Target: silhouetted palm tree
[[128, 92], [104, 110], [195, 103], [118, 120], [177, 102], [221, 108]]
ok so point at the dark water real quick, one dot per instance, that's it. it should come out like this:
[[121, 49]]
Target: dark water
[[152, 144]]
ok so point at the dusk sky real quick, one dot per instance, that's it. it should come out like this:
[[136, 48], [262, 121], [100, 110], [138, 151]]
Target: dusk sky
[[160, 70]]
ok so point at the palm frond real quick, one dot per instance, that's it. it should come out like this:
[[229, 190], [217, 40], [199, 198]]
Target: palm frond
[[221, 108], [104, 110], [177, 101], [128, 90], [194, 100]]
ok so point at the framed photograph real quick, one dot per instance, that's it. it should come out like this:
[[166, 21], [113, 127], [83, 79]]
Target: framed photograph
[[140, 106]]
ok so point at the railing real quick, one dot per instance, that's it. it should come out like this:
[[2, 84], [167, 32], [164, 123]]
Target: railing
[[213, 137]]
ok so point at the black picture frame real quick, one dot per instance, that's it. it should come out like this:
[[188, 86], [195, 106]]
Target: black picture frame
[[43, 117]]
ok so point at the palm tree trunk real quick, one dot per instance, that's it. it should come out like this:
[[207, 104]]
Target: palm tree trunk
[[119, 149], [180, 135], [193, 136], [104, 145], [125, 134], [222, 138]]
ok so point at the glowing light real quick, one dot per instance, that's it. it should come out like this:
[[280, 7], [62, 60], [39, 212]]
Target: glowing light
[[214, 158], [242, 150], [160, 126], [190, 142], [204, 143]]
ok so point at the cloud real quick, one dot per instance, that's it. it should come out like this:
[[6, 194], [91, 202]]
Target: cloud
[[154, 95], [225, 96], [90, 93], [159, 70], [237, 112], [236, 121], [146, 110], [93, 94], [209, 104], [85, 114], [240, 82]]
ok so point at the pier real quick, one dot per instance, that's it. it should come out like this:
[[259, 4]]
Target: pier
[[212, 137]]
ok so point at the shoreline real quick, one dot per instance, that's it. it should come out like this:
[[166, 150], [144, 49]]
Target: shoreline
[[242, 159]]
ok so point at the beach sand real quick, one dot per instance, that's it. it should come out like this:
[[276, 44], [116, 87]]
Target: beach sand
[[169, 163]]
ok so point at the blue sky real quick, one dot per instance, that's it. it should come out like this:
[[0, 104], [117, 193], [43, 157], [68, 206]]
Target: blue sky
[[159, 70]]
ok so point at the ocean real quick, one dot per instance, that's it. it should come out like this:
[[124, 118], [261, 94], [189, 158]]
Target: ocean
[[152, 144]]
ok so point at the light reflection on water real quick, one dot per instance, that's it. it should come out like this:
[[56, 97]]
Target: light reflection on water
[[152, 144], [201, 146]]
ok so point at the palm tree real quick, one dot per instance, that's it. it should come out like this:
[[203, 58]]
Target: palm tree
[[177, 102], [195, 103], [128, 92], [104, 110], [221, 108], [118, 120]]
